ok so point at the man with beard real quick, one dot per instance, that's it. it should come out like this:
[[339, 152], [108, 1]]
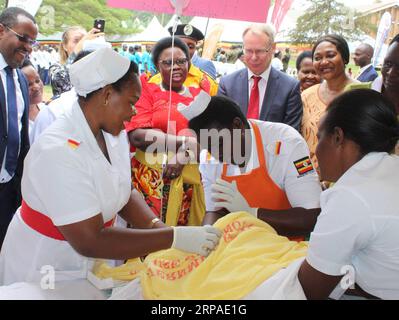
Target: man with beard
[[18, 32]]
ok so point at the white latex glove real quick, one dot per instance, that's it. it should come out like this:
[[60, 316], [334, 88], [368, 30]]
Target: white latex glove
[[201, 240], [226, 195]]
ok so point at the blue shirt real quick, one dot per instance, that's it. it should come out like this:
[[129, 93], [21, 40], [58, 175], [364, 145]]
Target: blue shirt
[[204, 65]]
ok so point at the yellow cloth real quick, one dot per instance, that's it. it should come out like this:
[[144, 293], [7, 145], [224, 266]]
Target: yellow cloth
[[194, 78], [125, 272], [189, 175], [358, 85], [249, 252]]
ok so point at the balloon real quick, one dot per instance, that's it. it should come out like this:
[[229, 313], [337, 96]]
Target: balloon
[[179, 6]]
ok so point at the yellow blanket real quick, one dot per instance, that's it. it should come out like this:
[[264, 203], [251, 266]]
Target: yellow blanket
[[249, 252]]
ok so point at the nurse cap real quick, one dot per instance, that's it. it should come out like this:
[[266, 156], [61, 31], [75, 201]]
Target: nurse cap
[[98, 69]]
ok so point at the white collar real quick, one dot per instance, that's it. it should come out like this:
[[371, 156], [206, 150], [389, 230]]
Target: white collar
[[377, 84], [364, 164], [265, 75], [364, 68], [3, 62], [63, 102], [87, 136]]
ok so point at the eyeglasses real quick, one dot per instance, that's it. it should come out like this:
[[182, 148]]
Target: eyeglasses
[[22, 38], [168, 63], [257, 52]]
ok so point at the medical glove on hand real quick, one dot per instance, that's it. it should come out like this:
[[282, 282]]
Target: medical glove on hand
[[200, 240], [227, 195]]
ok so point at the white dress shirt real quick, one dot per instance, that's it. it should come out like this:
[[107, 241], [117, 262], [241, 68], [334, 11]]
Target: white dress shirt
[[4, 176], [262, 85]]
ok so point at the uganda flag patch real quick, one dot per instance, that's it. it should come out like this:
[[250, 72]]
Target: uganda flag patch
[[303, 165]]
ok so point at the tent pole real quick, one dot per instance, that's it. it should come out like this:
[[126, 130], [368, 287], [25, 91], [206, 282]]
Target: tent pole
[[206, 30]]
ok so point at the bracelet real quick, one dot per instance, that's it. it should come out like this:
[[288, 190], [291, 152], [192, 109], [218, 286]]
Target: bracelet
[[154, 221]]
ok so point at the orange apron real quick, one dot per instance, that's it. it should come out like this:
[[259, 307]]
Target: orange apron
[[268, 194]]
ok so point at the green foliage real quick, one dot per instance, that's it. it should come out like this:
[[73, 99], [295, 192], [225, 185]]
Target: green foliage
[[56, 15], [328, 16]]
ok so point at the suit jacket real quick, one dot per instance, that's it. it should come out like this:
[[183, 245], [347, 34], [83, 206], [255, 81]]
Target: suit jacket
[[282, 102], [24, 139], [368, 75], [204, 65]]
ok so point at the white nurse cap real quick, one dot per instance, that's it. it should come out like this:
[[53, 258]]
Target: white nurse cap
[[96, 70]]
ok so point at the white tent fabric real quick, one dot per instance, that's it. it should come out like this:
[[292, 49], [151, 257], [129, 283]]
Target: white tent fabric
[[153, 32], [171, 22], [232, 29]]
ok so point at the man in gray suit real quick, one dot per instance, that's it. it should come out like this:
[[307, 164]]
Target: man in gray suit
[[261, 91]]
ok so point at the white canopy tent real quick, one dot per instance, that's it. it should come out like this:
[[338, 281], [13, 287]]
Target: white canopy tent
[[232, 31], [153, 32], [171, 22]]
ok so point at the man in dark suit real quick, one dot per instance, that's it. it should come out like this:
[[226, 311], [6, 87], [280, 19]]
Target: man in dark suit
[[18, 32], [261, 91], [362, 57]]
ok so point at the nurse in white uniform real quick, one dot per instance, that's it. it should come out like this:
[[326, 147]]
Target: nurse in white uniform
[[274, 180], [77, 178], [355, 241]]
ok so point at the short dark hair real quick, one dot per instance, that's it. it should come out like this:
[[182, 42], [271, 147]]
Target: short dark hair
[[339, 42], [26, 63], [395, 39], [9, 16], [221, 112], [166, 43], [303, 55], [367, 118]]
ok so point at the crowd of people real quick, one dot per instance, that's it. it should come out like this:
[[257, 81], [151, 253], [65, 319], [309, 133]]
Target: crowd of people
[[118, 164]]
